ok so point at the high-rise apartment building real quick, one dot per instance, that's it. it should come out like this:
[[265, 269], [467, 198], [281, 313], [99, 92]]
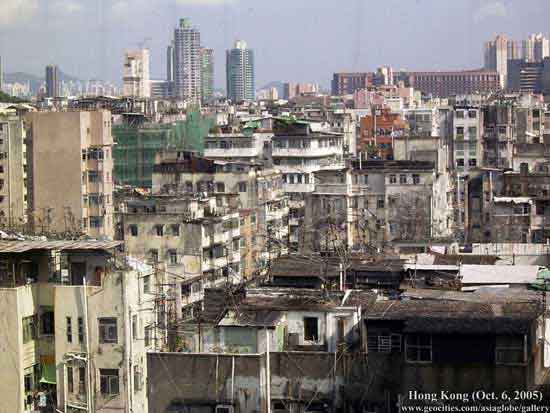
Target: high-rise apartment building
[[207, 74], [187, 62], [70, 172], [497, 54], [52, 81], [241, 81], [136, 74]]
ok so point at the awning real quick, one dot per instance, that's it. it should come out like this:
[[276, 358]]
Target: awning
[[48, 374]]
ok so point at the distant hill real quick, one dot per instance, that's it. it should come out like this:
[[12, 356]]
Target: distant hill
[[35, 81], [277, 84]]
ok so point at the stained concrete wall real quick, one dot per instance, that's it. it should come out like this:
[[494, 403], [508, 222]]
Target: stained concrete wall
[[203, 381]]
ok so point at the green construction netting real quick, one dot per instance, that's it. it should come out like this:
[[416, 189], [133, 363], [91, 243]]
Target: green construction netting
[[48, 374]]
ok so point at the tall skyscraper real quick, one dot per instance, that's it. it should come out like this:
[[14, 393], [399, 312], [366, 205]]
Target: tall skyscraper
[[497, 54], [207, 74], [136, 74], [187, 62], [52, 81], [241, 81]]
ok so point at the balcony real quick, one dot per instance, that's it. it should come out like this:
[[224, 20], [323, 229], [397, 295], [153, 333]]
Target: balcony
[[307, 152], [231, 153], [301, 188]]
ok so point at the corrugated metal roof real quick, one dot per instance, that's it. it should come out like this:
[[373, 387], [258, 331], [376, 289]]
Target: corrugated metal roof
[[498, 274], [22, 246]]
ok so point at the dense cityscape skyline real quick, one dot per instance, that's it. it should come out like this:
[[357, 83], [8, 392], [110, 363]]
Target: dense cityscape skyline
[[108, 28]]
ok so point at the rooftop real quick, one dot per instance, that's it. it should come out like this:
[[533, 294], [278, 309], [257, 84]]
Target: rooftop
[[22, 246]]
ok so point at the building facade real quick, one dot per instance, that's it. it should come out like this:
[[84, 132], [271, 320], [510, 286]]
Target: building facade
[[446, 84], [187, 62], [240, 73], [135, 77], [207, 74], [52, 81], [13, 171], [69, 158], [80, 324]]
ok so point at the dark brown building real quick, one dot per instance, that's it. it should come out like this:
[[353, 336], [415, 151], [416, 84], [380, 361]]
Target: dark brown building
[[348, 83], [460, 82]]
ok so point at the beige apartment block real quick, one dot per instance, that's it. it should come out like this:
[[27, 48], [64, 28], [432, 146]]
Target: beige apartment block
[[70, 172], [72, 346], [13, 174]]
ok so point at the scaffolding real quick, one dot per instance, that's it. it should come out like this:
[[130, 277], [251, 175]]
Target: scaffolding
[[137, 145]]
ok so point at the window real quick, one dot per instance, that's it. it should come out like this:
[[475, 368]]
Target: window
[[402, 179], [189, 186], [137, 378], [380, 203], [47, 323], [416, 179], [159, 230], [81, 380], [365, 179], [29, 328], [173, 257], [70, 380], [108, 381], [147, 284], [460, 162], [509, 350], [393, 179], [108, 330], [134, 326], [148, 335], [154, 255], [311, 329], [28, 383], [133, 230], [460, 130], [472, 162], [175, 230], [472, 132], [253, 218], [418, 348], [80, 330], [242, 186], [235, 244], [69, 329], [460, 114], [472, 114], [220, 187]]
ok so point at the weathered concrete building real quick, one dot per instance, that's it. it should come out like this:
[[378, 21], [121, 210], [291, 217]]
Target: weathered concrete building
[[259, 192], [13, 171], [373, 202], [70, 168], [194, 240], [246, 383], [466, 343], [80, 321]]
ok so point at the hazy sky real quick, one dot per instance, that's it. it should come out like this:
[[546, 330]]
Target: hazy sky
[[294, 40]]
